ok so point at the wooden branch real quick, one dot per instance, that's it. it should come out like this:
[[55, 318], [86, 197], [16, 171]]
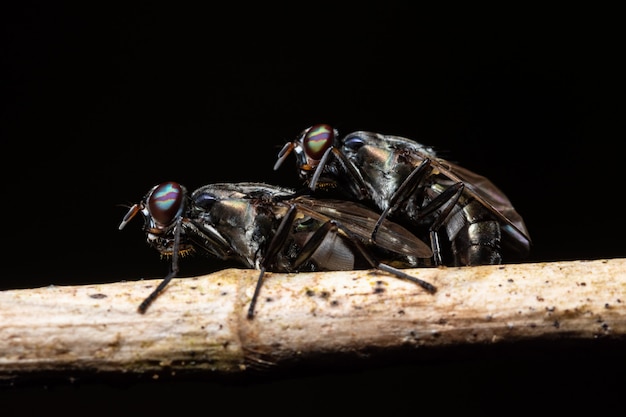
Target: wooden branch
[[199, 324]]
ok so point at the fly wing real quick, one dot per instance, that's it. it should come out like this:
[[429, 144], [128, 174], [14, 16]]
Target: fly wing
[[490, 196], [361, 221]]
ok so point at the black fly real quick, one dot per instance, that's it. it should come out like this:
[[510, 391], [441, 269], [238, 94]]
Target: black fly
[[406, 181], [272, 229]]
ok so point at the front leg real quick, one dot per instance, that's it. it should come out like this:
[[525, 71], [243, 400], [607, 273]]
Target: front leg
[[173, 270], [353, 179]]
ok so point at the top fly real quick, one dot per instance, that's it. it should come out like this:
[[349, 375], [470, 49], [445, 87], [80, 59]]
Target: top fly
[[406, 181], [271, 229]]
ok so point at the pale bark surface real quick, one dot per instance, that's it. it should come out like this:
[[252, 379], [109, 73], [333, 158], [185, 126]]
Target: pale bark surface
[[199, 324]]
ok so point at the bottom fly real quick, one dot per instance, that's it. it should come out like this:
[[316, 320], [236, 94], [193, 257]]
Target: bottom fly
[[271, 229]]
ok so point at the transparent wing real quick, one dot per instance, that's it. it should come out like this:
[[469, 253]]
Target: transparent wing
[[361, 220]]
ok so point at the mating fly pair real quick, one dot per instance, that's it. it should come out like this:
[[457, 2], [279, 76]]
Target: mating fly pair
[[270, 228], [406, 182], [393, 194]]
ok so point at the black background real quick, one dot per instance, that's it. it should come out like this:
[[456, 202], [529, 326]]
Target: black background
[[101, 102]]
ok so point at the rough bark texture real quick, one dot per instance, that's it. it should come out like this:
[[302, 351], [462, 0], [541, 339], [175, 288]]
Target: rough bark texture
[[199, 324]]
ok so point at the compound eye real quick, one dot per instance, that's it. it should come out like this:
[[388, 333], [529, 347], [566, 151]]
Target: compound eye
[[354, 143], [317, 140], [165, 202]]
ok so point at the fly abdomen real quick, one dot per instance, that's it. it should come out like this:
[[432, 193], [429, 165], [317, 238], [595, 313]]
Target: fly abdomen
[[477, 240]]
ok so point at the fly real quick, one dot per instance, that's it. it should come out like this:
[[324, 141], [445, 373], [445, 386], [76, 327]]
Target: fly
[[409, 183], [270, 228]]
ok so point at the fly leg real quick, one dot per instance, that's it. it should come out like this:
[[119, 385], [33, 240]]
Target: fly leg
[[357, 183], [444, 202], [277, 242], [173, 270], [477, 242], [335, 227], [404, 191]]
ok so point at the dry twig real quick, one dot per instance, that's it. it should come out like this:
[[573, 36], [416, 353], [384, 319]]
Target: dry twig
[[199, 324]]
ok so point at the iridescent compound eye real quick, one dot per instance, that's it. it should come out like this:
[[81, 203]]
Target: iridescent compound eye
[[317, 140], [165, 202]]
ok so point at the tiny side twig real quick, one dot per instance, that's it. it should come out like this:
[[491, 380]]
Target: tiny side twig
[[199, 324]]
